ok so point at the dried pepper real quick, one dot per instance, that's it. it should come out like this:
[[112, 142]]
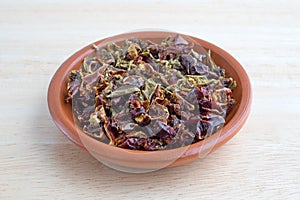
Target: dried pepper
[[147, 96]]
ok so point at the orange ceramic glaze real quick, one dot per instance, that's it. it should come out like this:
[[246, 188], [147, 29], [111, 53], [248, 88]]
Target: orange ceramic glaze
[[125, 159]]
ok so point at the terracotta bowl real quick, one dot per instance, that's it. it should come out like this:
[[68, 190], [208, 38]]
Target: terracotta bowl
[[143, 161]]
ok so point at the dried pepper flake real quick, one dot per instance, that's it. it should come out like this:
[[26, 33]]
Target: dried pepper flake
[[147, 96]]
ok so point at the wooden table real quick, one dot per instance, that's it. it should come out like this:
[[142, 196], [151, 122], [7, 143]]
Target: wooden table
[[38, 162]]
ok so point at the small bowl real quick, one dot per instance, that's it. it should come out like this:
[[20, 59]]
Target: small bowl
[[144, 161]]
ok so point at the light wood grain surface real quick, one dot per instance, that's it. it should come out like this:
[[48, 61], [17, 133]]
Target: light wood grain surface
[[38, 162]]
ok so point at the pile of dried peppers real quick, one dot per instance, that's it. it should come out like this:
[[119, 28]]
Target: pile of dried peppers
[[147, 96]]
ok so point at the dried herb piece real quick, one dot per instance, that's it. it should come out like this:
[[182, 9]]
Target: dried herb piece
[[147, 96]]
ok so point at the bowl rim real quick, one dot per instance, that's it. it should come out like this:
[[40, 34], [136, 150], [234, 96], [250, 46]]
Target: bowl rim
[[228, 131]]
